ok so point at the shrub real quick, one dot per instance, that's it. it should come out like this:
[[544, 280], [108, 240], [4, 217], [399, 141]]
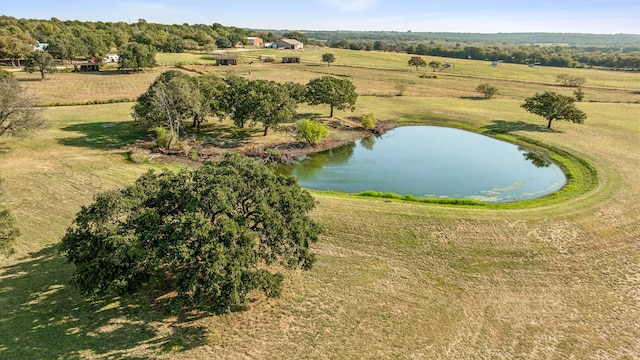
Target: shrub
[[429, 76], [400, 88], [368, 121], [571, 81], [311, 131], [138, 156], [164, 138], [489, 91], [579, 94]]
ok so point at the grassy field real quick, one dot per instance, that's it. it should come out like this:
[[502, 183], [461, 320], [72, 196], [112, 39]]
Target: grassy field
[[393, 280]]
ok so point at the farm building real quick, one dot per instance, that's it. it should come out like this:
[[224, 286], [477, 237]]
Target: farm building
[[255, 41], [289, 44], [227, 60], [291, 60]]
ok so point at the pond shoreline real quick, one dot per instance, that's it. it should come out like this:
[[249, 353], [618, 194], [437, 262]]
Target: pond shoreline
[[343, 131]]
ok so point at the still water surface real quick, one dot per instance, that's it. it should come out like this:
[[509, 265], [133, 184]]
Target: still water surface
[[429, 161]]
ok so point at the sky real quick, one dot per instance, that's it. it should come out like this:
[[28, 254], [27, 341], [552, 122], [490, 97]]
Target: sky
[[497, 16]]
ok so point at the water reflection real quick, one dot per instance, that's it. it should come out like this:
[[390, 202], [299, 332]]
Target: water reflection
[[427, 161], [537, 159], [368, 142], [309, 165]]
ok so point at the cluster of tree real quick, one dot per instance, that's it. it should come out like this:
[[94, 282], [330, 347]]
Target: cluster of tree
[[69, 40], [612, 41], [627, 58], [74, 39], [175, 98], [211, 235]]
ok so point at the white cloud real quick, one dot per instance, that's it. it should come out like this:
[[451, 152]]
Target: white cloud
[[352, 5]]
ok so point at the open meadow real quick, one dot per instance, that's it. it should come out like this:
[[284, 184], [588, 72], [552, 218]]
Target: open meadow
[[555, 279]]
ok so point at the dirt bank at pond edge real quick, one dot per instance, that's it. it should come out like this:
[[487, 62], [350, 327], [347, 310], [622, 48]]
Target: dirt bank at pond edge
[[269, 148]]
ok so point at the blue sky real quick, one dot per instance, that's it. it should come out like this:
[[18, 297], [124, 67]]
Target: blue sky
[[605, 17]]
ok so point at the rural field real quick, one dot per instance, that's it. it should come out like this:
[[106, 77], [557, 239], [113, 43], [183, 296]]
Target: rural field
[[554, 278]]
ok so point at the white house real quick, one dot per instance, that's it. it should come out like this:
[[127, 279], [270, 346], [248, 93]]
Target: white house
[[112, 58], [40, 46]]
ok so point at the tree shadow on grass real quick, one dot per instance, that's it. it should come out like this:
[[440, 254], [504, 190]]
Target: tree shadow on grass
[[102, 135], [228, 136], [473, 98], [506, 126], [307, 115], [41, 316]]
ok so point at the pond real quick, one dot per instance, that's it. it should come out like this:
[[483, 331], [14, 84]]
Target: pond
[[429, 161]]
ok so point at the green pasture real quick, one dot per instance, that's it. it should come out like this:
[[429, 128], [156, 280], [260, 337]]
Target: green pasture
[[557, 278]]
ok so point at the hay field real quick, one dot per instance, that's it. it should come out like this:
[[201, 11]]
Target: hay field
[[393, 280]]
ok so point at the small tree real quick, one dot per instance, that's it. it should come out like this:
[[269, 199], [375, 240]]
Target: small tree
[[311, 131], [8, 230], [571, 81], [328, 58], [434, 65], [489, 91], [169, 101], [40, 61], [223, 42], [417, 61], [553, 106], [137, 56], [337, 93], [18, 114], [271, 104], [400, 88], [368, 121], [578, 94], [210, 235]]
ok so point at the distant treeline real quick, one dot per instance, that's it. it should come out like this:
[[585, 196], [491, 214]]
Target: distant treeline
[[72, 39], [615, 41], [617, 51], [547, 55]]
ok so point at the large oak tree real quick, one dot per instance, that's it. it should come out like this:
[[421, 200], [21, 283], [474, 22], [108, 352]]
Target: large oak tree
[[212, 235]]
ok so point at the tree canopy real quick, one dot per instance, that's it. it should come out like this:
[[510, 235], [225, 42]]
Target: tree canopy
[[169, 101], [260, 101], [417, 61], [8, 230], [18, 114], [328, 58], [40, 61], [554, 106], [434, 65], [487, 90], [137, 56], [337, 93], [212, 235]]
